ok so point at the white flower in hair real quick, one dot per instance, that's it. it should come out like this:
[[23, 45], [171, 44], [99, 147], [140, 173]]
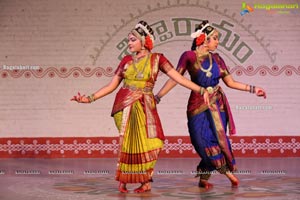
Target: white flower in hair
[[145, 30], [199, 32]]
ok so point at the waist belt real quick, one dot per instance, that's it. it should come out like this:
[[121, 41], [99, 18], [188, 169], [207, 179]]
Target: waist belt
[[211, 90], [134, 88]]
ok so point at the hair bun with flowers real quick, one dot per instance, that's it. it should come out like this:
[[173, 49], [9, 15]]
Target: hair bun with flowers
[[146, 34], [202, 32]]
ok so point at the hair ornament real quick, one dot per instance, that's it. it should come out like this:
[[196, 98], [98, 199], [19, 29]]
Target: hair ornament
[[199, 31]]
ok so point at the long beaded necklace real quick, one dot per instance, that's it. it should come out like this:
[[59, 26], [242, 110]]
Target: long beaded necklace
[[140, 74], [208, 70]]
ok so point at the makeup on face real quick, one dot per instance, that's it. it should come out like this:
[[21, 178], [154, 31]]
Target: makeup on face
[[131, 38]]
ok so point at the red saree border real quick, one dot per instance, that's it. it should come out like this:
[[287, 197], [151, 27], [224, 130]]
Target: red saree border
[[174, 147]]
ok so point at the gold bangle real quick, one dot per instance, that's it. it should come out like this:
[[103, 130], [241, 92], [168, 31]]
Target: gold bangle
[[157, 99], [202, 91], [91, 98]]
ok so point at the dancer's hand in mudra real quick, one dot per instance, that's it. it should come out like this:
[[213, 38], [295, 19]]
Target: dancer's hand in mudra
[[260, 92], [80, 98]]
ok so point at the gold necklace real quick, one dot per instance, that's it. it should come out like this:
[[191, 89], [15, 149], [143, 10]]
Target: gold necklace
[[140, 74], [208, 70]]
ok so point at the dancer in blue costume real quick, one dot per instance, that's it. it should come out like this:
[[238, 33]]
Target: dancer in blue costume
[[208, 121]]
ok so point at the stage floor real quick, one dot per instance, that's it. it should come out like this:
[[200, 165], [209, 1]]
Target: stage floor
[[91, 179]]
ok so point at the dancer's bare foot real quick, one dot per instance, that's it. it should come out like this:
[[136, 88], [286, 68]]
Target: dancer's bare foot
[[233, 179], [122, 188], [145, 187], [205, 184]]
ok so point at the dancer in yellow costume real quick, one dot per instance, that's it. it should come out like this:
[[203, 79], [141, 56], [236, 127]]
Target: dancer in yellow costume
[[134, 110]]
